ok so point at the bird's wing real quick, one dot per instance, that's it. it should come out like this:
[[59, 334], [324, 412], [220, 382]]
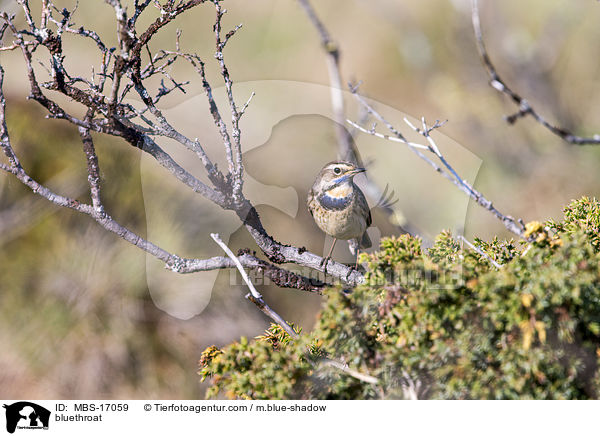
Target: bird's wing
[[310, 201], [362, 201]]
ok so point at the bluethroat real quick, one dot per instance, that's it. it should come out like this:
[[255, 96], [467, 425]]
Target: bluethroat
[[339, 207]]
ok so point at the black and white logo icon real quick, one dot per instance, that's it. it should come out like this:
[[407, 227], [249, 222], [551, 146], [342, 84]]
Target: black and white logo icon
[[26, 415]]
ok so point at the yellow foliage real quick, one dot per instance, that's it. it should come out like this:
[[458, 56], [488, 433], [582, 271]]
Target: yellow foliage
[[526, 299], [401, 342], [529, 328], [527, 331], [541, 330], [532, 227]]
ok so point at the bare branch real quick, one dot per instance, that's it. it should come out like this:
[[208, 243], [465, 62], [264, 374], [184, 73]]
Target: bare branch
[[15, 46], [373, 132], [199, 66], [93, 166], [254, 295], [175, 263], [446, 169], [279, 276], [351, 372], [139, 8], [243, 109], [524, 106], [239, 266], [480, 251], [238, 167], [108, 114], [279, 253], [264, 307], [412, 389], [168, 13], [509, 222], [395, 132]]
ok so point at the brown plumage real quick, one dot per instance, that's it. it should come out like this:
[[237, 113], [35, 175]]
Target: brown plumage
[[339, 207]]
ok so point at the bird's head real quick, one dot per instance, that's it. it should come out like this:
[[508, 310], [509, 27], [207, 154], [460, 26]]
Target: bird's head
[[337, 176]]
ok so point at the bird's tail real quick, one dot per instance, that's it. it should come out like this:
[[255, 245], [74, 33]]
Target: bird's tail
[[365, 242]]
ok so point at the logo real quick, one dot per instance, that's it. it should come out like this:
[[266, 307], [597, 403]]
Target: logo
[[26, 415]]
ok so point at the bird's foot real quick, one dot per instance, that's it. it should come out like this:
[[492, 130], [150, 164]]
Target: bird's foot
[[351, 270], [324, 263]]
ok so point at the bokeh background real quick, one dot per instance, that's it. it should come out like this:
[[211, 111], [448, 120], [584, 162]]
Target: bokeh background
[[85, 315]]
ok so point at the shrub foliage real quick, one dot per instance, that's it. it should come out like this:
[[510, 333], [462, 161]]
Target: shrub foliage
[[443, 323]]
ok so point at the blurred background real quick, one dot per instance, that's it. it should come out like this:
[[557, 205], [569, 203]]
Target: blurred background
[[83, 314]]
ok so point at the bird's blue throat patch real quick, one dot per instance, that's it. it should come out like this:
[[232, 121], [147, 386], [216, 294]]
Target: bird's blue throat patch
[[334, 203]]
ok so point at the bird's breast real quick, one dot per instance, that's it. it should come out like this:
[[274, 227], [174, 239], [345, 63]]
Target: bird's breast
[[331, 202], [339, 211]]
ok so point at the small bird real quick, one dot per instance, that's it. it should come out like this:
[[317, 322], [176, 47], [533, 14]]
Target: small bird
[[339, 207]]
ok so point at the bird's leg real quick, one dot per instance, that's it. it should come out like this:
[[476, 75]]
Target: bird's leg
[[355, 267], [326, 260]]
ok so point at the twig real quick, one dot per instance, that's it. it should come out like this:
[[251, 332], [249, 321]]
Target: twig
[[264, 307], [107, 113], [254, 295], [412, 389], [281, 277], [239, 266], [373, 132], [243, 109], [15, 46], [173, 262], [509, 222], [198, 65], [446, 169], [237, 174], [92, 166], [480, 251], [395, 132], [351, 372], [524, 106]]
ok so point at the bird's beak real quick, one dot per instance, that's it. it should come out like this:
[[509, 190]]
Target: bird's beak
[[356, 171]]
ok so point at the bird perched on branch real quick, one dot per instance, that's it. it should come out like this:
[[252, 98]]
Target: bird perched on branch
[[339, 207]]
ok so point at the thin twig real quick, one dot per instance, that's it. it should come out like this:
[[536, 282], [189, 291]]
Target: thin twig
[[264, 307], [254, 295], [480, 251], [237, 175], [371, 110], [239, 266], [373, 132], [412, 389], [93, 166], [509, 222], [524, 106], [243, 109], [112, 116], [446, 169], [351, 372]]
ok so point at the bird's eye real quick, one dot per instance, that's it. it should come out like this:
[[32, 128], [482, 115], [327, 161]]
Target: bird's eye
[[337, 170]]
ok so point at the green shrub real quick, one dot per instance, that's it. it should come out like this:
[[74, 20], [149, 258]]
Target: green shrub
[[444, 324]]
